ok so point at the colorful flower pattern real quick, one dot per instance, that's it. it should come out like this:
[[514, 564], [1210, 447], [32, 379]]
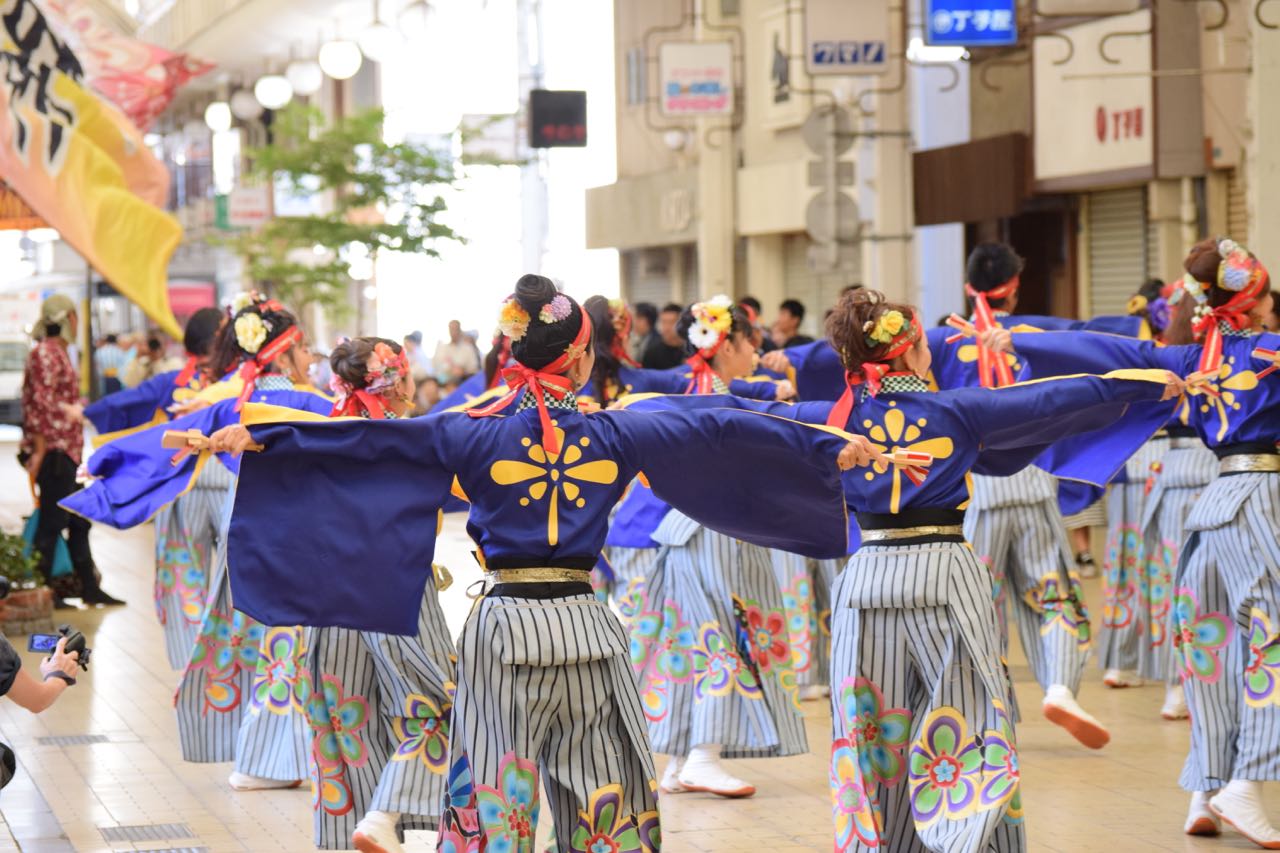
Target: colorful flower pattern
[[337, 720], [853, 805], [717, 668], [767, 635], [1119, 570], [330, 789], [1001, 776], [1061, 609], [797, 603], [1199, 637], [605, 827], [460, 824], [422, 733], [281, 683], [945, 769], [1262, 666], [879, 734], [1158, 583], [509, 813]]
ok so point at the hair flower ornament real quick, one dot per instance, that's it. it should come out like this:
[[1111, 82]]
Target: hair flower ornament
[[556, 310], [886, 327], [513, 320], [384, 369], [711, 322], [251, 333], [243, 300]]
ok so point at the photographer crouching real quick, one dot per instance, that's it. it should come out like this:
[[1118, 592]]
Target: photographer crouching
[[57, 673]]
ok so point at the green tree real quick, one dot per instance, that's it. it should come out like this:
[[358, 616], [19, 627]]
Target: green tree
[[377, 196]]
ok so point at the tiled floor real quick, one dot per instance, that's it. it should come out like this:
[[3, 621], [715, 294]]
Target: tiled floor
[[1123, 798]]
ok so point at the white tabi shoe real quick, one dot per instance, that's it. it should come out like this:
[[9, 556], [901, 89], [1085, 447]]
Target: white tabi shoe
[[1175, 704], [376, 833], [1200, 818], [245, 782], [1061, 708], [670, 783], [702, 772], [1120, 678], [1240, 806]]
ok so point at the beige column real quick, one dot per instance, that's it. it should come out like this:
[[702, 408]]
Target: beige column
[[1164, 211], [766, 269], [887, 257], [717, 167], [1263, 169], [675, 273]]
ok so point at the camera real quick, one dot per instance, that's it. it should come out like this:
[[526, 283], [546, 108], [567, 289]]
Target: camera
[[5, 586], [46, 643]]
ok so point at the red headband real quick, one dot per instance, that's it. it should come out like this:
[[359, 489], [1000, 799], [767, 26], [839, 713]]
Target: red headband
[[993, 369], [188, 372], [252, 368], [1235, 311], [872, 372], [359, 400], [548, 380]]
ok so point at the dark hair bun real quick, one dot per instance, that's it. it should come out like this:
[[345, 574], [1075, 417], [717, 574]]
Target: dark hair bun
[[534, 291], [1203, 260], [847, 324], [740, 325], [350, 359], [542, 343]]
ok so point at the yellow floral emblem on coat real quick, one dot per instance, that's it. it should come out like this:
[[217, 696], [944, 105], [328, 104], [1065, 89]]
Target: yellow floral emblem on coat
[[1231, 385], [550, 474], [897, 434]]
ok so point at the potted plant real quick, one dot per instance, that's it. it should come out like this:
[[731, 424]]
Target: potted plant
[[29, 606]]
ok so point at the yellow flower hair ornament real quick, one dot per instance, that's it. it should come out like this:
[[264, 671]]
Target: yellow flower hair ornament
[[513, 320], [711, 322], [885, 328]]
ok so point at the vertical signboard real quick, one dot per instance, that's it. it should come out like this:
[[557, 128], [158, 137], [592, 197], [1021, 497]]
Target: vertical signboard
[[697, 78], [846, 36]]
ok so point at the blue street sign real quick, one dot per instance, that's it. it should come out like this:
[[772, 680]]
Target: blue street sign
[[971, 23], [835, 55]]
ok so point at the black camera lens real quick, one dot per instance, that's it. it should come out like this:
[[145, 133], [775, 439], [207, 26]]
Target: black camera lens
[[5, 586]]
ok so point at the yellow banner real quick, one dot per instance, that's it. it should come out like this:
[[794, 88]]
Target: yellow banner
[[81, 166]]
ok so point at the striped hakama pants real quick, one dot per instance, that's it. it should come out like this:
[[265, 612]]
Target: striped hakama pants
[[923, 753], [379, 718], [1124, 612], [187, 538], [1227, 618], [545, 696], [712, 651], [244, 688], [1021, 540], [823, 577], [1185, 470], [629, 587]]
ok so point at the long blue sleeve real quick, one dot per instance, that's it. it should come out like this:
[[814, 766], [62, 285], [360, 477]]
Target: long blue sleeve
[[132, 407]]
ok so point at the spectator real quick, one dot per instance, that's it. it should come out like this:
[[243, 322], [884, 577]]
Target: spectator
[[667, 349], [644, 322], [57, 673], [762, 342], [110, 361], [786, 329], [1271, 322], [151, 363], [456, 358], [419, 362], [52, 440]]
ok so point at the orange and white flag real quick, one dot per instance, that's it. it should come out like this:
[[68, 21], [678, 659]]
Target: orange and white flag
[[81, 165]]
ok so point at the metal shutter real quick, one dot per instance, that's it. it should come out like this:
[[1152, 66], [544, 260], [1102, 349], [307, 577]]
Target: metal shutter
[[1117, 247], [647, 276], [818, 291], [1237, 206]]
